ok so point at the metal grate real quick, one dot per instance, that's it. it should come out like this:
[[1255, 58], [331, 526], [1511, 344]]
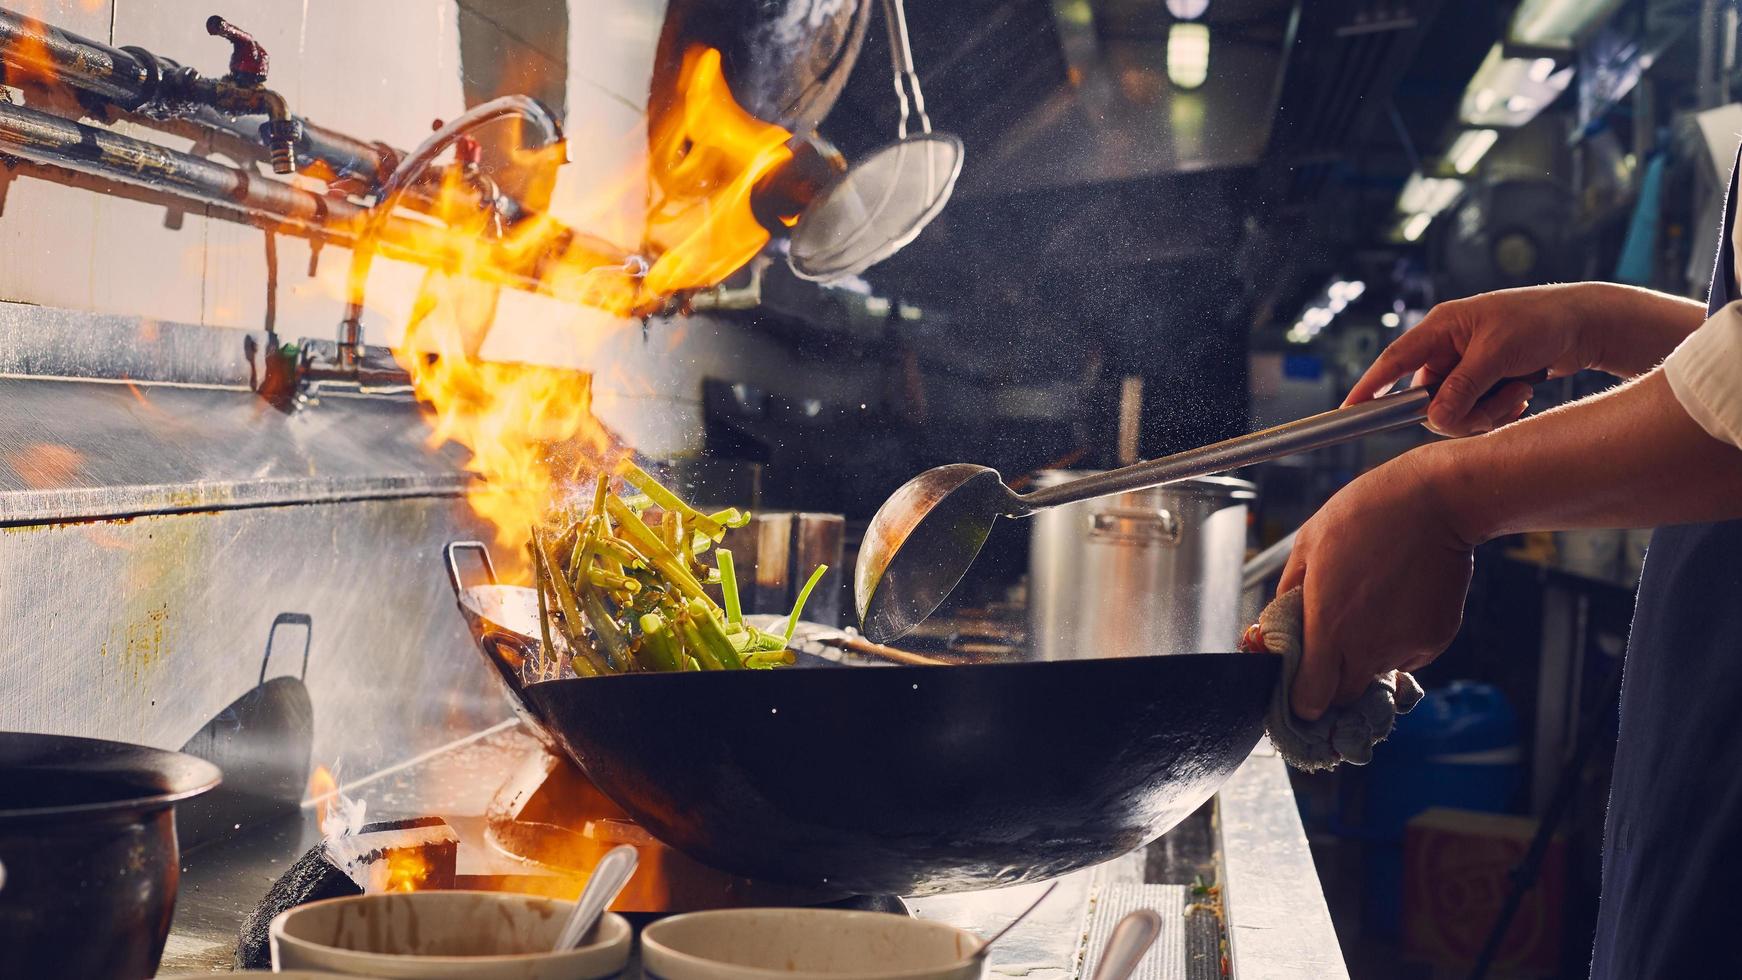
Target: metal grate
[[1167, 958]]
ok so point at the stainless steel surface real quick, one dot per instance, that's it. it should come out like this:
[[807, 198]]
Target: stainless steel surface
[[608, 878], [45, 342], [162, 527], [1278, 925], [1131, 939], [1143, 572], [224, 880], [177, 429], [991, 942]]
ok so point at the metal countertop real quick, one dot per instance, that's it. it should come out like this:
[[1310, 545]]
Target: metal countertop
[[1276, 920]]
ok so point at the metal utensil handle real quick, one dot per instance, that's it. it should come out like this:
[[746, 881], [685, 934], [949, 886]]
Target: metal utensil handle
[[986, 947], [901, 58], [609, 876], [1382, 414], [1130, 941]]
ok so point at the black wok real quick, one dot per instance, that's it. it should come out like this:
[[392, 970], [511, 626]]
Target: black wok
[[901, 780], [914, 780]]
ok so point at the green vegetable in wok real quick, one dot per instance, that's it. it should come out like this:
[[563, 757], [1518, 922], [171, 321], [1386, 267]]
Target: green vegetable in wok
[[621, 591]]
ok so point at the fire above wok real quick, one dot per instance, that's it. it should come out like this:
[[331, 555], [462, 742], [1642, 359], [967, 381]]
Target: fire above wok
[[902, 780]]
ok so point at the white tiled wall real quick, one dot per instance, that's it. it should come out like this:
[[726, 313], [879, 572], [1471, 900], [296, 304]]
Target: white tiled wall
[[378, 70]]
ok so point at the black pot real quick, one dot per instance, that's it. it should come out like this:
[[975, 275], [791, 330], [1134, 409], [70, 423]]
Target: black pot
[[88, 853]]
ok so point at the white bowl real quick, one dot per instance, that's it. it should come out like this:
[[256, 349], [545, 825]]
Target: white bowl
[[442, 934], [806, 944]]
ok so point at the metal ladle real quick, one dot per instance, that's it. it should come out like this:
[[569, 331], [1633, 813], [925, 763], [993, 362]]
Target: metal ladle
[[925, 536]]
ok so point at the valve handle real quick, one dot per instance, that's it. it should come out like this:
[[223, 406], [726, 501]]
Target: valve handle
[[248, 62]]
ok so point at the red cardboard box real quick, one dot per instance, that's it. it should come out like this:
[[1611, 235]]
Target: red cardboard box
[[1456, 866]]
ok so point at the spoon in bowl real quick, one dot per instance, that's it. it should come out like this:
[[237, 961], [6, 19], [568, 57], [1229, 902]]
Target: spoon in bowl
[[609, 876]]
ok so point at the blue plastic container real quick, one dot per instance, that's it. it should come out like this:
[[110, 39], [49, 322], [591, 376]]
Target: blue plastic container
[[1458, 748]]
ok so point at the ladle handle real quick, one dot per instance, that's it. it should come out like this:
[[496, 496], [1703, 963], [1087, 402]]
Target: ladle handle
[[1396, 410]]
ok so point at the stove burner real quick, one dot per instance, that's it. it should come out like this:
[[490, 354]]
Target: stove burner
[[549, 815]]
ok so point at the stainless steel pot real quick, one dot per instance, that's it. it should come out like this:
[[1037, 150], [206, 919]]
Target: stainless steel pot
[[1143, 572]]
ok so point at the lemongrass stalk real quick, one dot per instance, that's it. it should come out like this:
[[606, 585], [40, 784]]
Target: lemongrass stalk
[[731, 517], [657, 640], [641, 480], [609, 633], [715, 638], [538, 576], [729, 586], [697, 645], [770, 658], [613, 583], [651, 548], [804, 594], [575, 624]]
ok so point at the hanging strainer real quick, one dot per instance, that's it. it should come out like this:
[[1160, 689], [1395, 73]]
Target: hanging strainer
[[886, 199]]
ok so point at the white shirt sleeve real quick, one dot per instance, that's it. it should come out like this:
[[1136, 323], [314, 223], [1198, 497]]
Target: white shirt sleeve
[[1705, 372]]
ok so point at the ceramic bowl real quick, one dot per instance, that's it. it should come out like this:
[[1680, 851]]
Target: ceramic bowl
[[806, 944], [435, 935]]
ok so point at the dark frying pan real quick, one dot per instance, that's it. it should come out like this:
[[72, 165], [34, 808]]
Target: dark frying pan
[[910, 780]]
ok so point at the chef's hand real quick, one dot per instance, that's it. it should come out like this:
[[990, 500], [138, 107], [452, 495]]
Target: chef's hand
[[1467, 346], [1383, 570]]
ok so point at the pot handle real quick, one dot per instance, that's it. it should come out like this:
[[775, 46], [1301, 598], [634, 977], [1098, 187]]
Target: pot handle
[[1160, 524]]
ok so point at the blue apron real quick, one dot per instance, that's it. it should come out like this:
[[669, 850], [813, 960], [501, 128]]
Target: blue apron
[[1672, 849]]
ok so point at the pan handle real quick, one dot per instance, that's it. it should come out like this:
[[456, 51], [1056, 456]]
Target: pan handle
[[451, 554]]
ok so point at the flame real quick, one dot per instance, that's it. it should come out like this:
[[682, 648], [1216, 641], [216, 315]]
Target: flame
[[323, 789], [706, 155], [531, 429], [407, 870]]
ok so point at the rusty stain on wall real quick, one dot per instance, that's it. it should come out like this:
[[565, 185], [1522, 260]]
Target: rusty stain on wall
[[46, 465], [143, 642]]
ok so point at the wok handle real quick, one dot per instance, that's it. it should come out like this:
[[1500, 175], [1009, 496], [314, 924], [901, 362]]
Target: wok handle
[[1397, 410], [307, 623], [451, 556]]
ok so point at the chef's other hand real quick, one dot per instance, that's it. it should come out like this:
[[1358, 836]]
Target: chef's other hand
[[1468, 345], [1383, 572]]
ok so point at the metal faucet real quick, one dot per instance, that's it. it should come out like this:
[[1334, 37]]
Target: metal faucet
[[243, 92], [407, 173]]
